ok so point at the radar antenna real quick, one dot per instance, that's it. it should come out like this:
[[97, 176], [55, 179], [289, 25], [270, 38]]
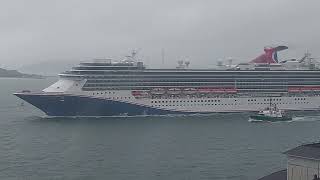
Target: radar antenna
[[307, 55], [187, 63], [133, 55], [162, 56]]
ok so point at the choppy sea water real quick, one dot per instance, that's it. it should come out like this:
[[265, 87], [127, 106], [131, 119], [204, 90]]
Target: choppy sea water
[[218, 147]]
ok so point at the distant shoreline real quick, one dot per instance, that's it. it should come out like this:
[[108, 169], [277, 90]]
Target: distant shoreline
[[12, 77], [16, 74]]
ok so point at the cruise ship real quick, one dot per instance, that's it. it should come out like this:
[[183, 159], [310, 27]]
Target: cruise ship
[[105, 87]]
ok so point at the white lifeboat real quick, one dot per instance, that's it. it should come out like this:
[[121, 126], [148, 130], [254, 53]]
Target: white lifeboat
[[140, 94], [316, 88], [218, 90], [204, 90], [294, 89], [189, 91], [231, 90], [158, 91], [174, 91]]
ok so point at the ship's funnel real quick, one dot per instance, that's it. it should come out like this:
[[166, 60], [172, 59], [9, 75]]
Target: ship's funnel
[[270, 56]]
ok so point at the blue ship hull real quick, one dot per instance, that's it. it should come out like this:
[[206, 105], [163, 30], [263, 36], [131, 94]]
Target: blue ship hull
[[71, 105]]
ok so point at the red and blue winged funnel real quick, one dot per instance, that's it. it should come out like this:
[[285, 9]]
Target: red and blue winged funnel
[[270, 55]]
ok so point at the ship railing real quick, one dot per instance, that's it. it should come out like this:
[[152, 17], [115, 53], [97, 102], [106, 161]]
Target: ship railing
[[29, 92]]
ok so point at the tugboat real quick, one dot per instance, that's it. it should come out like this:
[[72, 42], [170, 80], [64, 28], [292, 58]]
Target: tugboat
[[271, 114]]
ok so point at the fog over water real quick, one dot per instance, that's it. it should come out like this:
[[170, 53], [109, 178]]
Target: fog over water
[[64, 31]]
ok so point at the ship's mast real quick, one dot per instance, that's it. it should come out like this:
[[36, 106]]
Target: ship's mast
[[131, 57], [162, 56]]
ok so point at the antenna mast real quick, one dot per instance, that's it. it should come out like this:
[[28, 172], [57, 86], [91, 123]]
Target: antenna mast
[[162, 56]]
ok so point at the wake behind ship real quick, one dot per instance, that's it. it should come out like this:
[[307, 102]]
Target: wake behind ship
[[128, 88]]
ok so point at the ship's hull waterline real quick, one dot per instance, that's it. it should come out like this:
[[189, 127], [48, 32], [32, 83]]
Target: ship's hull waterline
[[80, 105]]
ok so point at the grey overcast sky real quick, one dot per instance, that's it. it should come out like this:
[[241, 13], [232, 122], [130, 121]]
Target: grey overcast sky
[[203, 31]]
